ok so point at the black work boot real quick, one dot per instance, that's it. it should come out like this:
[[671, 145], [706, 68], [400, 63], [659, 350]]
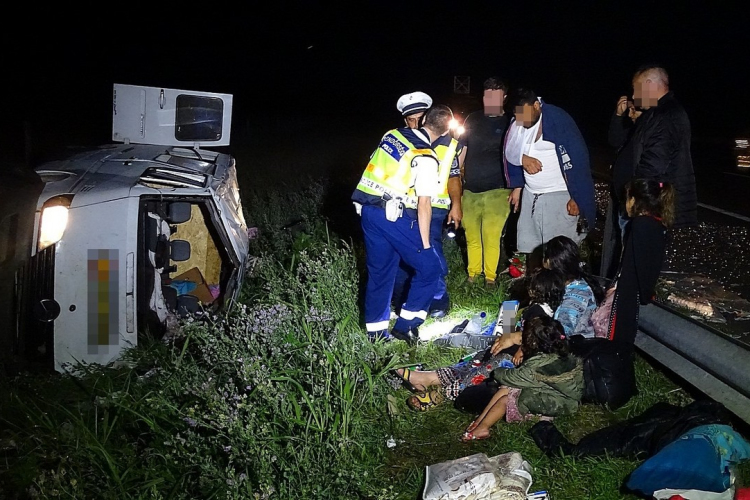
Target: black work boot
[[379, 335], [410, 337]]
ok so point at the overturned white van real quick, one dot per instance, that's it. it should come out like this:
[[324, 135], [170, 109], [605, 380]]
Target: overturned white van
[[132, 236]]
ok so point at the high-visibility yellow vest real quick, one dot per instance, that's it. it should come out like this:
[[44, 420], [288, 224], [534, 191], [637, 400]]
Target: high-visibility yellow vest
[[446, 154], [389, 170]]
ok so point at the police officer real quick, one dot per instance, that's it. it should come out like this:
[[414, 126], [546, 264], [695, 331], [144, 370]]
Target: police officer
[[394, 198], [445, 205]]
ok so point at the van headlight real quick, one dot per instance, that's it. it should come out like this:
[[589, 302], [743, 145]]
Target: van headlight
[[53, 222]]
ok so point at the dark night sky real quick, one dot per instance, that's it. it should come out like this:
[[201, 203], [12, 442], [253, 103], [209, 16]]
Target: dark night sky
[[321, 61]]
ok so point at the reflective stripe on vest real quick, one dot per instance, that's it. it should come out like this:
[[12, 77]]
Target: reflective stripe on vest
[[389, 171], [445, 154]]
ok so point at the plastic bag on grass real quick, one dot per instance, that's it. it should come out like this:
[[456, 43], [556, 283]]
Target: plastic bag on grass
[[458, 337], [477, 477]]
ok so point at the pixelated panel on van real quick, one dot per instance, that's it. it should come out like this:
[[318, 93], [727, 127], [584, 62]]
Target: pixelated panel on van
[[103, 300]]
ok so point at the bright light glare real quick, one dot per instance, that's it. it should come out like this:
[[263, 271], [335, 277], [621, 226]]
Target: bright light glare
[[453, 123], [54, 221], [460, 130], [436, 329]]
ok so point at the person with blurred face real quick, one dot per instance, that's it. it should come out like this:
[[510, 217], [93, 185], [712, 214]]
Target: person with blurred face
[[547, 165], [656, 146], [485, 189]]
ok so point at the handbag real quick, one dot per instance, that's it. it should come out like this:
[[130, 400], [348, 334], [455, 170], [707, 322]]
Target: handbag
[[601, 316]]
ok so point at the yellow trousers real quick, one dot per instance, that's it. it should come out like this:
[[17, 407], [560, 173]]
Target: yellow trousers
[[484, 216]]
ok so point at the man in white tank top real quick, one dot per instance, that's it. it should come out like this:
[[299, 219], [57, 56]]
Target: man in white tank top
[[548, 207]]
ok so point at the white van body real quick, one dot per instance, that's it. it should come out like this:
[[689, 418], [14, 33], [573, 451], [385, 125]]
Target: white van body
[[132, 237]]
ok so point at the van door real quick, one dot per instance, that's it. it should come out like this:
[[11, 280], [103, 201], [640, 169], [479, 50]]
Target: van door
[[169, 117], [94, 283]]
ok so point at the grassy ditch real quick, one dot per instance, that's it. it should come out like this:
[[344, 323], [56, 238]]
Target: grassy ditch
[[281, 398]]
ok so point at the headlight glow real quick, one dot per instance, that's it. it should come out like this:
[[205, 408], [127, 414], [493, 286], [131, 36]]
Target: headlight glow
[[460, 130], [453, 123], [53, 222]]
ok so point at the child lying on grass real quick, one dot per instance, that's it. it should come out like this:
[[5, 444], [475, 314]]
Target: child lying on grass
[[545, 292], [548, 383]]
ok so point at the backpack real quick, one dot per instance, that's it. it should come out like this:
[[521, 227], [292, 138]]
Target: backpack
[[608, 371]]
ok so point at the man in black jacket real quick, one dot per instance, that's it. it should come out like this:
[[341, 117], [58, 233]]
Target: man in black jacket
[[656, 146]]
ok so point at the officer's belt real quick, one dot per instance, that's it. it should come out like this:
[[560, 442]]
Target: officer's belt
[[409, 212]]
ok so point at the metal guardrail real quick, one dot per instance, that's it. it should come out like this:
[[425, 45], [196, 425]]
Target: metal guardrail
[[707, 360]]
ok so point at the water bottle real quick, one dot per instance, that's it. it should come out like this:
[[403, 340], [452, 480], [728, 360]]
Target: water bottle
[[506, 318], [475, 325]]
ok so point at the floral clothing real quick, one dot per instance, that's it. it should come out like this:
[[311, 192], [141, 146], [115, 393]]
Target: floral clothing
[[577, 306], [463, 374], [458, 377]]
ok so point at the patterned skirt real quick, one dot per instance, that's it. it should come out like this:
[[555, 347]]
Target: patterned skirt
[[458, 377]]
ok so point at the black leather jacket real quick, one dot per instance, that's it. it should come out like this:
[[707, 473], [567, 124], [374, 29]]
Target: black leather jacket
[[658, 147]]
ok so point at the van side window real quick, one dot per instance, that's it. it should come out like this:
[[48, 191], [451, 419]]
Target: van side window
[[198, 118]]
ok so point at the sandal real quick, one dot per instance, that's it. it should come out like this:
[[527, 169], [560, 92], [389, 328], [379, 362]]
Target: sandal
[[469, 436], [405, 379], [425, 401]]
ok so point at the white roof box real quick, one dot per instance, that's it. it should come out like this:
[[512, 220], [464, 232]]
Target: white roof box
[[169, 117]]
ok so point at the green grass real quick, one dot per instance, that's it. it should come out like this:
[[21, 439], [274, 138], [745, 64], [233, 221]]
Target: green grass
[[431, 437], [281, 398]]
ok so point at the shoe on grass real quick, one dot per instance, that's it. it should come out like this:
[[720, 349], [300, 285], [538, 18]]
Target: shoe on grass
[[425, 401], [380, 335], [405, 378], [410, 337], [438, 313]]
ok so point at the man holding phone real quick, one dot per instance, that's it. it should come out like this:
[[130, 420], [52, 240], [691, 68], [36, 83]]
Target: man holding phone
[[653, 141]]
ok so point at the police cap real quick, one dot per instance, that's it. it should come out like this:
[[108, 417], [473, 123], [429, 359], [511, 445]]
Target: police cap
[[416, 102]]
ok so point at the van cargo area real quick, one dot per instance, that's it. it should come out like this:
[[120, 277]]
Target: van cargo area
[[183, 263]]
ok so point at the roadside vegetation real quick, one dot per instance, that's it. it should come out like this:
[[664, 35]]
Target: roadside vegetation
[[283, 397]]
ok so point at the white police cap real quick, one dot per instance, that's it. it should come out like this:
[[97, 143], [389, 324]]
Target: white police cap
[[408, 104]]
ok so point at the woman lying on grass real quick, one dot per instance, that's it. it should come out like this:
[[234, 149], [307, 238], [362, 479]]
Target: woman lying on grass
[[545, 292], [548, 383]]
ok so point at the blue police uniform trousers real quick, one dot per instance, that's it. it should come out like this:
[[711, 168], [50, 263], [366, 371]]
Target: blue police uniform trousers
[[440, 300], [386, 245]]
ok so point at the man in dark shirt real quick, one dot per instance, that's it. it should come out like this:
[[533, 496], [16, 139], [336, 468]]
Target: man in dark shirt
[[485, 196]]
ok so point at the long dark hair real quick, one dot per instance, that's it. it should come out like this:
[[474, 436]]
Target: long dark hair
[[544, 334], [547, 286], [563, 255], [653, 198]]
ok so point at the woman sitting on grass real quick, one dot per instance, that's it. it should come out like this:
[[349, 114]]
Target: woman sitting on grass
[[582, 292], [545, 292], [548, 383]]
